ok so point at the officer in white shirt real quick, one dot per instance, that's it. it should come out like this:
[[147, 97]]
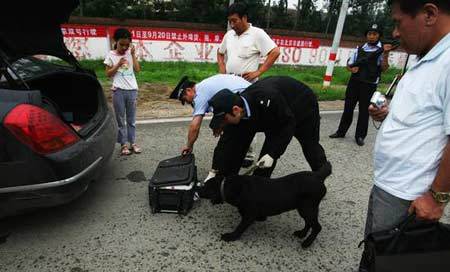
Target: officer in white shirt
[[412, 149], [197, 95]]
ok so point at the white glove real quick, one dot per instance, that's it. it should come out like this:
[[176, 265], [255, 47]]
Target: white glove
[[212, 173], [265, 162]]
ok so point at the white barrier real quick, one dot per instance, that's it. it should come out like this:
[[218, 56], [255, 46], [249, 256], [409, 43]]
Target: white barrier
[[93, 42]]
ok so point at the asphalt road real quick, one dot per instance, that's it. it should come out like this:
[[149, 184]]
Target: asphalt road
[[110, 228]]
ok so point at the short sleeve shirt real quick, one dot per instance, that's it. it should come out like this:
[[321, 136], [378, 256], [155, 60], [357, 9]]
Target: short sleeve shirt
[[367, 48], [243, 52], [124, 78], [412, 138], [207, 88]]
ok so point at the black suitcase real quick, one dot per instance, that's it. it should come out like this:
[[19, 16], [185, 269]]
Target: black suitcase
[[172, 187]]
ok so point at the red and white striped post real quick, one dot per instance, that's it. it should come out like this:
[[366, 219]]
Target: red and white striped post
[[336, 40]]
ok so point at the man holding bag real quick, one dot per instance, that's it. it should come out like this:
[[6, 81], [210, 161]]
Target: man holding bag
[[412, 149]]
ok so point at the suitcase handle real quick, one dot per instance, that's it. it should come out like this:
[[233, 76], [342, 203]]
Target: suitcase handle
[[403, 226], [399, 230]]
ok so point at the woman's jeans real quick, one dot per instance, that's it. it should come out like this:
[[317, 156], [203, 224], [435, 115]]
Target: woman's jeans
[[124, 102]]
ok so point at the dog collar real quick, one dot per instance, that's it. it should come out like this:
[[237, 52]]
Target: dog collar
[[222, 189]]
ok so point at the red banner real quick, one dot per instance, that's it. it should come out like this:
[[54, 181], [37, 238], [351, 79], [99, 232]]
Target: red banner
[[81, 31], [172, 34], [283, 41], [176, 35]]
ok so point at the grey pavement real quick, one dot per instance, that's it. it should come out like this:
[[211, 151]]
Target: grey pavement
[[111, 228]]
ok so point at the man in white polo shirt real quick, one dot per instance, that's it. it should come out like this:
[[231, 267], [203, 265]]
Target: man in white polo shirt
[[241, 50], [244, 45], [412, 149]]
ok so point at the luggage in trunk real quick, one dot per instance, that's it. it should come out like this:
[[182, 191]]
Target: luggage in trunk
[[172, 187]]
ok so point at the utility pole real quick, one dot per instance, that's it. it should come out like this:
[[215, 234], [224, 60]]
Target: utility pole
[[268, 15], [337, 38]]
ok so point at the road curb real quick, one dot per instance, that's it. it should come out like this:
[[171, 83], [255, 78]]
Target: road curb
[[188, 119]]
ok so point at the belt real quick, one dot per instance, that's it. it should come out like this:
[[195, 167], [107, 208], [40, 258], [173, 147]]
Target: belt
[[241, 75]]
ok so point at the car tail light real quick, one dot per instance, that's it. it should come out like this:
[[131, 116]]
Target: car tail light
[[40, 130]]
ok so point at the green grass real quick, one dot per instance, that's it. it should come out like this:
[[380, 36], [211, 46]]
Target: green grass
[[170, 73]]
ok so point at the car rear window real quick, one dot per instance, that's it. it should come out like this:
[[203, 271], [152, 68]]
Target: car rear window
[[31, 67]]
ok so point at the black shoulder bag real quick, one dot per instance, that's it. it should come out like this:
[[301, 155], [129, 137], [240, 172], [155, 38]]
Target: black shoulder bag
[[412, 246]]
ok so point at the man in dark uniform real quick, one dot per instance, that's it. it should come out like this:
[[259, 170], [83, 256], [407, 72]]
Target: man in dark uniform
[[281, 107], [366, 66]]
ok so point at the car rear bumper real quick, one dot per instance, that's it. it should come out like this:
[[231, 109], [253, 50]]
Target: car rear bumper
[[58, 178], [18, 199], [53, 184]]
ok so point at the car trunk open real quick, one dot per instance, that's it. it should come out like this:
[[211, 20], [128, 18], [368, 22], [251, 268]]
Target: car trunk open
[[74, 97], [29, 28]]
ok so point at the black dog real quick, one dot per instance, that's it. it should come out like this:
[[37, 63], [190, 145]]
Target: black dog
[[258, 197]]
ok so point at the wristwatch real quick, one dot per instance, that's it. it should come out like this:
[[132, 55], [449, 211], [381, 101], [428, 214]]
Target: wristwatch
[[440, 197]]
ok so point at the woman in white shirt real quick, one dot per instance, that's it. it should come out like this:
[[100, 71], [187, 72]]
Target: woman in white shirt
[[121, 64]]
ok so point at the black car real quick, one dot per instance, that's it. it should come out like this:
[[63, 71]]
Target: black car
[[56, 129]]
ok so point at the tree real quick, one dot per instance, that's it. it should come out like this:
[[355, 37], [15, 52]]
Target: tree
[[256, 12], [202, 11], [299, 4], [362, 13], [306, 17], [333, 8]]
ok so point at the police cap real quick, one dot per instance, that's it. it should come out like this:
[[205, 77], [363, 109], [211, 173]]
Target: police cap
[[374, 27], [180, 89], [222, 103]]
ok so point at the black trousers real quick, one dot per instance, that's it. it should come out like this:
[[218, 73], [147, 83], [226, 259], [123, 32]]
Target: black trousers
[[361, 92], [236, 139], [4, 230]]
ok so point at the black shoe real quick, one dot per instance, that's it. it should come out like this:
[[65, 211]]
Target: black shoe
[[3, 237], [261, 218], [337, 135], [247, 163], [359, 141]]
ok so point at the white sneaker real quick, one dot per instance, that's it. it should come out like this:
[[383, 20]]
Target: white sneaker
[[212, 173]]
